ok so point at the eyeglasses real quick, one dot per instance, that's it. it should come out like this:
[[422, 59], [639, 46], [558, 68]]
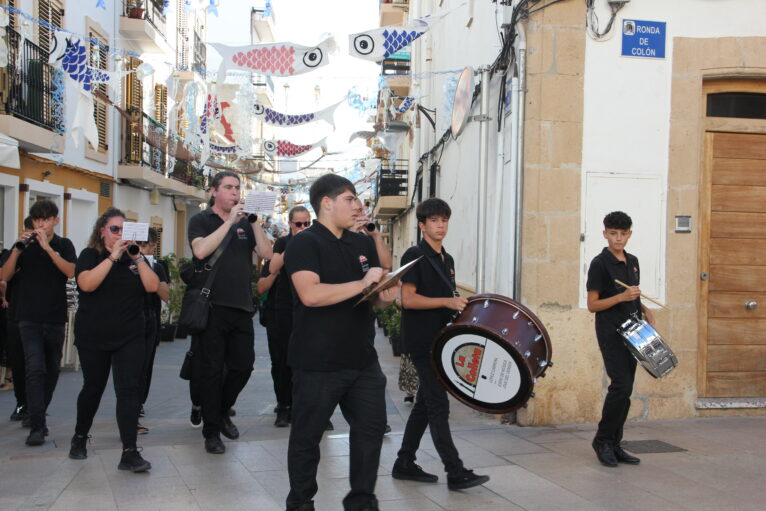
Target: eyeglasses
[[301, 224], [115, 229]]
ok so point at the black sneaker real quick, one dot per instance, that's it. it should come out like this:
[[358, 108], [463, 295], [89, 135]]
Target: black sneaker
[[411, 471], [141, 430], [624, 457], [232, 412], [283, 418], [466, 479], [26, 421], [605, 453], [214, 445], [228, 429], [387, 430], [36, 437], [196, 417], [409, 399], [77, 451], [132, 460], [141, 411], [329, 427], [19, 413]]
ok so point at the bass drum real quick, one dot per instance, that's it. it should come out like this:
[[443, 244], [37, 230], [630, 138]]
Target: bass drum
[[490, 356]]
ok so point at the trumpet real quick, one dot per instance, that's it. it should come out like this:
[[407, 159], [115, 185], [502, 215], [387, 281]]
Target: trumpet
[[21, 245]]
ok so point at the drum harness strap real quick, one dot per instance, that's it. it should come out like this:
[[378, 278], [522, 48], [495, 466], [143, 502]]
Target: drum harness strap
[[441, 274]]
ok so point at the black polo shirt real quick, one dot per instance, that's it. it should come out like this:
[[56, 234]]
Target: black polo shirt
[[267, 310], [420, 326], [231, 286], [11, 287], [42, 295], [603, 271], [113, 313], [336, 336], [283, 294], [153, 302]]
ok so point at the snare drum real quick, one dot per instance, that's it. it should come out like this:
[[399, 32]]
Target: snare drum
[[491, 355], [648, 346]]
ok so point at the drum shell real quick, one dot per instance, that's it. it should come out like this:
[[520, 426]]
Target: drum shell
[[524, 337]]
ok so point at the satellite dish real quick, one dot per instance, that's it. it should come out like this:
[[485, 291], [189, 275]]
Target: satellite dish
[[461, 103]]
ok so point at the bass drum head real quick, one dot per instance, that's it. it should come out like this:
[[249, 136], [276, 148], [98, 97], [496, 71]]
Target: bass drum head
[[482, 372]]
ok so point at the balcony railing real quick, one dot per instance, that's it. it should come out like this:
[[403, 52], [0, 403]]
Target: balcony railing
[[149, 10], [200, 54], [392, 179], [138, 150], [395, 67], [29, 85]]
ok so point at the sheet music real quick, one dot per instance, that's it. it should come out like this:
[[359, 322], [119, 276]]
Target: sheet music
[[260, 202], [135, 231], [390, 280]]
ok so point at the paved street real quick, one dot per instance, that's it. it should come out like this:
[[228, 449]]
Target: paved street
[[722, 466]]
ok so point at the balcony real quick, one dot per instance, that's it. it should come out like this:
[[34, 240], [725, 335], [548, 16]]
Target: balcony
[[145, 25], [27, 105], [261, 28], [393, 12], [391, 189], [191, 60], [396, 72], [145, 161]]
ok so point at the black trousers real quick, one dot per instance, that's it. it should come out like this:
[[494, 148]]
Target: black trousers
[[126, 363], [278, 334], [361, 396], [431, 410], [16, 362], [151, 340], [226, 342], [43, 344], [621, 368]]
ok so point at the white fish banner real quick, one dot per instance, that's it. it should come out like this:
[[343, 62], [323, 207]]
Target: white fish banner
[[274, 118], [285, 149], [274, 59]]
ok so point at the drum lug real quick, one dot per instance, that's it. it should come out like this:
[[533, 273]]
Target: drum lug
[[538, 337], [527, 354], [515, 314], [475, 320], [486, 303], [504, 331], [531, 395]]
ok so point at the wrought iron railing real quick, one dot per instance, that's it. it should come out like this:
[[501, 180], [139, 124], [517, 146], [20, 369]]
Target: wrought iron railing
[[392, 178], [149, 10], [200, 54], [395, 67], [29, 87]]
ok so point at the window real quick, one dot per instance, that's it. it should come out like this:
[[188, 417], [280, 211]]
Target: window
[[158, 248], [134, 98], [98, 54], [50, 11], [743, 105]]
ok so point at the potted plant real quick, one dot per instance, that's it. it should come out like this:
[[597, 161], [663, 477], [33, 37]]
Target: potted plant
[[172, 309], [136, 9], [394, 327]]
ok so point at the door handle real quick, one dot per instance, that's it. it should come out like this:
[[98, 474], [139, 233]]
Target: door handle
[[751, 305]]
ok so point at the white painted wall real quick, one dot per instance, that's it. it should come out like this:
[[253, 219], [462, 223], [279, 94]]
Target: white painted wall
[[134, 199], [9, 188], [83, 212], [626, 124], [452, 45]]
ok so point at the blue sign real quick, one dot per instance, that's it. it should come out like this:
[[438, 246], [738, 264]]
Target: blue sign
[[644, 39]]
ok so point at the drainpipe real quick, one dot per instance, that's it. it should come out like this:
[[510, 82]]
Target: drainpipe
[[483, 163], [518, 163]]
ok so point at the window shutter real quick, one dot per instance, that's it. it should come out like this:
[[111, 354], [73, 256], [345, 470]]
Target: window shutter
[[98, 58], [134, 100], [161, 104]]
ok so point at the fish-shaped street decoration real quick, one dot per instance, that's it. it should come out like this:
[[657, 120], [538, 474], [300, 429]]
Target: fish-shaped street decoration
[[380, 43], [70, 53], [274, 118], [285, 149], [274, 59]]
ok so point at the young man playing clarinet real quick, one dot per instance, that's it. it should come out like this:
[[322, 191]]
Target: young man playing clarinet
[[613, 305]]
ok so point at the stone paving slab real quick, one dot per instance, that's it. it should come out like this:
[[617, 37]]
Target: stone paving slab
[[544, 468]]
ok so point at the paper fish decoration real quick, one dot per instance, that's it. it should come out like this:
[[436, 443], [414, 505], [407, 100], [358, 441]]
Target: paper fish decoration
[[285, 149], [72, 56], [404, 105], [274, 59], [274, 118], [380, 43]]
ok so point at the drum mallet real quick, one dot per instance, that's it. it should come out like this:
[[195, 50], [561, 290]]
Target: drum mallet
[[642, 295]]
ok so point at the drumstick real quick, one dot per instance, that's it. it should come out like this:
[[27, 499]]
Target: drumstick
[[642, 295]]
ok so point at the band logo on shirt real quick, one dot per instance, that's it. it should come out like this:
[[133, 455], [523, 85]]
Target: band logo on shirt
[[241, 233], [363, 262]]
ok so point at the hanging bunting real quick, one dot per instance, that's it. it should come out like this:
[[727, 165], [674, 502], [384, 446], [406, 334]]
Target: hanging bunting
[[285, 149], [404, 105], [274, 59], [71, 55], [274, 118], [380, 43]]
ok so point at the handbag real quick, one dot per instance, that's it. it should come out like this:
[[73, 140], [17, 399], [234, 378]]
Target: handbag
[[195, 305]]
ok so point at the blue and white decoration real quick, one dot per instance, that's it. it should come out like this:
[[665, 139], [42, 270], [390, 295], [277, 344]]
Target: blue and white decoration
[[274, 118]]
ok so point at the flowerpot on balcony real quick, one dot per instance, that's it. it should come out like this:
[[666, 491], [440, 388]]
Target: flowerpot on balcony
[[136, 13]]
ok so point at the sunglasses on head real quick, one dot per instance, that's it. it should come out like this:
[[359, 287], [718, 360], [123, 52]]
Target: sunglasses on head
[[301, 224], [114, 229]]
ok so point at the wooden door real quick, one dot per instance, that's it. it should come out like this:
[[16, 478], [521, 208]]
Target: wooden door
[[734, 256]]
